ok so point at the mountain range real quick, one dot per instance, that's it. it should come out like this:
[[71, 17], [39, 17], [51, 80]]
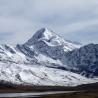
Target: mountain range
[[47, 59]]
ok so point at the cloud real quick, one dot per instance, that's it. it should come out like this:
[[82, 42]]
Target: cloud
[[69, 18]]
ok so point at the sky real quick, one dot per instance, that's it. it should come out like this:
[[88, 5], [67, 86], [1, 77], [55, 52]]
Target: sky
[[75, 20]]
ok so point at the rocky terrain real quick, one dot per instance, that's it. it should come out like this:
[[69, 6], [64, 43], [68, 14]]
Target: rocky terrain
[[46, 59]]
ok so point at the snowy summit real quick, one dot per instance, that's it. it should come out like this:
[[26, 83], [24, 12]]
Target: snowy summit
[[44, 60]]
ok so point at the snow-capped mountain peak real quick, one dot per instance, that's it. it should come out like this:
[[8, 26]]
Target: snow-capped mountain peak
[[47, 42], [42, 60], [46, 35], [50, 38]]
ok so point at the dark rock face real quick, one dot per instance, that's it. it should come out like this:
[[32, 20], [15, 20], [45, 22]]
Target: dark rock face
[[50, 44], [84, 60]]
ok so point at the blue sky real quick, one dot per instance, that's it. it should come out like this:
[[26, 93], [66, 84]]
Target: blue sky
[[75, 20]]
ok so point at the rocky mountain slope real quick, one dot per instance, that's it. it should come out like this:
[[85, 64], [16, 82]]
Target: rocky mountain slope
[[45, 59], [84, 60]]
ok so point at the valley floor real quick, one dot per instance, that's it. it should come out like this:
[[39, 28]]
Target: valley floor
[[85, 94], [82, 91], [52, 94]]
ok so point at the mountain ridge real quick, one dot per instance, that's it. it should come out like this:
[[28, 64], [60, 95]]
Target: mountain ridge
[[42, 60]]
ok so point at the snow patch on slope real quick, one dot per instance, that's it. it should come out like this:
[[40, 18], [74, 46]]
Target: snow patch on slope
[[39, 75], [44, 58]]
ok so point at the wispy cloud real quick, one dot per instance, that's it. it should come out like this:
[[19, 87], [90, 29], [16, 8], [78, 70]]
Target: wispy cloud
[[72, 19]]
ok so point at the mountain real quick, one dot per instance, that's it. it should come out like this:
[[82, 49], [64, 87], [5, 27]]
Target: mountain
[[84, 60], [50, 44], [43, 60]]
